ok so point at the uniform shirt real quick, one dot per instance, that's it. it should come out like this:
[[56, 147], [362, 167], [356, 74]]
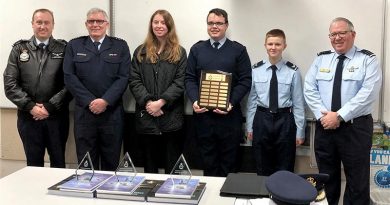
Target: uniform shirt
[[290, 93], [221, 42], [361, 81]]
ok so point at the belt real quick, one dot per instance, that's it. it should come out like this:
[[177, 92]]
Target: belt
[[280, 110], [360, 117]]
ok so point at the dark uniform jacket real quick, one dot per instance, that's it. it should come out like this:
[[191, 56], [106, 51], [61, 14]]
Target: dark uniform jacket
[[92, 74], [28, 81], [161, 80]]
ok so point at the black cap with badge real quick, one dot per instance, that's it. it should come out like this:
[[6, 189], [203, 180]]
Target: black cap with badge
[[318, 181], [287, 188]]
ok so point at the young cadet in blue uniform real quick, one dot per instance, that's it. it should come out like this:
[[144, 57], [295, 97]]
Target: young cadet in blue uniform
[[96, 69], [218, 132], [342, 102], [34, 82], [275, 130]]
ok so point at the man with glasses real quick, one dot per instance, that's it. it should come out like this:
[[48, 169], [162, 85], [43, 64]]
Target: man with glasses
[[34, 82], [218, 132], [340, 89], [96, 70]]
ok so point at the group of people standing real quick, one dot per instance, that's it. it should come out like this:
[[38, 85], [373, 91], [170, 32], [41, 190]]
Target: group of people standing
[[340, 87]]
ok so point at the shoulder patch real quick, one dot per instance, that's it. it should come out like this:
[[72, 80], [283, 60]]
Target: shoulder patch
[[258, 64], [291, 65], [20, 41], [324, 52], [367, 52]]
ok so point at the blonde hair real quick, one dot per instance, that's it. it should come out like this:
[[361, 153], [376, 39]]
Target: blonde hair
[[172, 51]]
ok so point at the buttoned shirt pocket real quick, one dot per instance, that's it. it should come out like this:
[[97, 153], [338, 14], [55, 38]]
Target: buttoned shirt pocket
[[82, 65], [284, 84], [352, 82], [261, 83], [112, 62]]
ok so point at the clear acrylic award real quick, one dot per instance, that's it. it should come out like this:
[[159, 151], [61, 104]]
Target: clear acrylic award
[[85, 164], [181, 173], [126, 165]]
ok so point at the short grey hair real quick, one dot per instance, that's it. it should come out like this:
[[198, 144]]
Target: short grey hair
[[98, 10], [349, 23]]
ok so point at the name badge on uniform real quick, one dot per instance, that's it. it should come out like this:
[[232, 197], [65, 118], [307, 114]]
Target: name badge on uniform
[[81, 54], [57, 55], [324, 70], [352, 69], [112, 54], [24, 56]]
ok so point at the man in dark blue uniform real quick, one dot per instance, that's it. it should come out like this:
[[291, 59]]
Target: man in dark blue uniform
[[96, 70], [219, 132], [34, 82]]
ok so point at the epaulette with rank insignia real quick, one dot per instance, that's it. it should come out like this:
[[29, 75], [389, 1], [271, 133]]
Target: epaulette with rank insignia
[[291, 65], [79, 37], [367, 52], [324, 52], [20, 41], [117, 38], [258, 64]]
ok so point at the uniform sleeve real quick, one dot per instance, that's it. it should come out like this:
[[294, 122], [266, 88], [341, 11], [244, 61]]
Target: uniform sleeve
[[192, 76], [13, 91], [116, 90], [82, 95], [136, 85], [244, 78], [298, 104], [251, 107], [176, 89], [367, 94], [311, 92]]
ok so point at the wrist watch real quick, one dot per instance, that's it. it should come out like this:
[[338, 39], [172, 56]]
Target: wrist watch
[[339, 118]]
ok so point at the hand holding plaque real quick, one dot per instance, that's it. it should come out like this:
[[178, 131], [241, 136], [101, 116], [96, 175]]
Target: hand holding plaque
[[214, 89]]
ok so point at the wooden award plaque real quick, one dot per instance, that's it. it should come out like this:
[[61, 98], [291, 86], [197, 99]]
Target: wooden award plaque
[[214, 89]]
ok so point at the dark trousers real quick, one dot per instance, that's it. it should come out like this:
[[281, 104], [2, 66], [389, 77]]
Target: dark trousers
[[165, 147], [219, 139], [38, 135], [100, 135], [274, 142], [349, 144]]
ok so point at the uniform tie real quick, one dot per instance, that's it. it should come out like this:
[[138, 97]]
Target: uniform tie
[[216, 44], [336, 94], [41, 50], [273, 91], [96, 44]]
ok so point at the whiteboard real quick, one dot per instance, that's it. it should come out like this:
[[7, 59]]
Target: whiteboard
[[15, 21], [305, 23]]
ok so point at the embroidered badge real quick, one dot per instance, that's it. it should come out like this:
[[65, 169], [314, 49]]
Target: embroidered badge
[[112, 54], [57, 55], [81, 54], [352, 69], [24, 56]]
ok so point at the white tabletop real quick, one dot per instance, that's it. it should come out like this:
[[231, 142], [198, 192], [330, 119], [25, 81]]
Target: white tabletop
[[28, 186]]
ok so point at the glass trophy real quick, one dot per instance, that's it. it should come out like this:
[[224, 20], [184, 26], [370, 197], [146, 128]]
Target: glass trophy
[[182, 172], [126, 165], [85, 164]]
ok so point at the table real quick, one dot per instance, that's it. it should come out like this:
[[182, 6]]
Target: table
[[29, 186]]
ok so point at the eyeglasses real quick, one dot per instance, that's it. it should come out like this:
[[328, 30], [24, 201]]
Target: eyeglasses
[[341, 34], [98, 22], [218, 24]]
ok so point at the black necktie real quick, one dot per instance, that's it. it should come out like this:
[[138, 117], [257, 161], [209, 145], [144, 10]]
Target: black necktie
[[96, 44], [273, 91], [41, 50], [336, 94], [216, 44]]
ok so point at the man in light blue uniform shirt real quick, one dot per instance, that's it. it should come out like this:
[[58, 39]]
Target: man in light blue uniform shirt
[[344, 124], [275, 133]]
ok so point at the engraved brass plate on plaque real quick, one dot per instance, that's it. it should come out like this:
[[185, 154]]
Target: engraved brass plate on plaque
[[214, 89]]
